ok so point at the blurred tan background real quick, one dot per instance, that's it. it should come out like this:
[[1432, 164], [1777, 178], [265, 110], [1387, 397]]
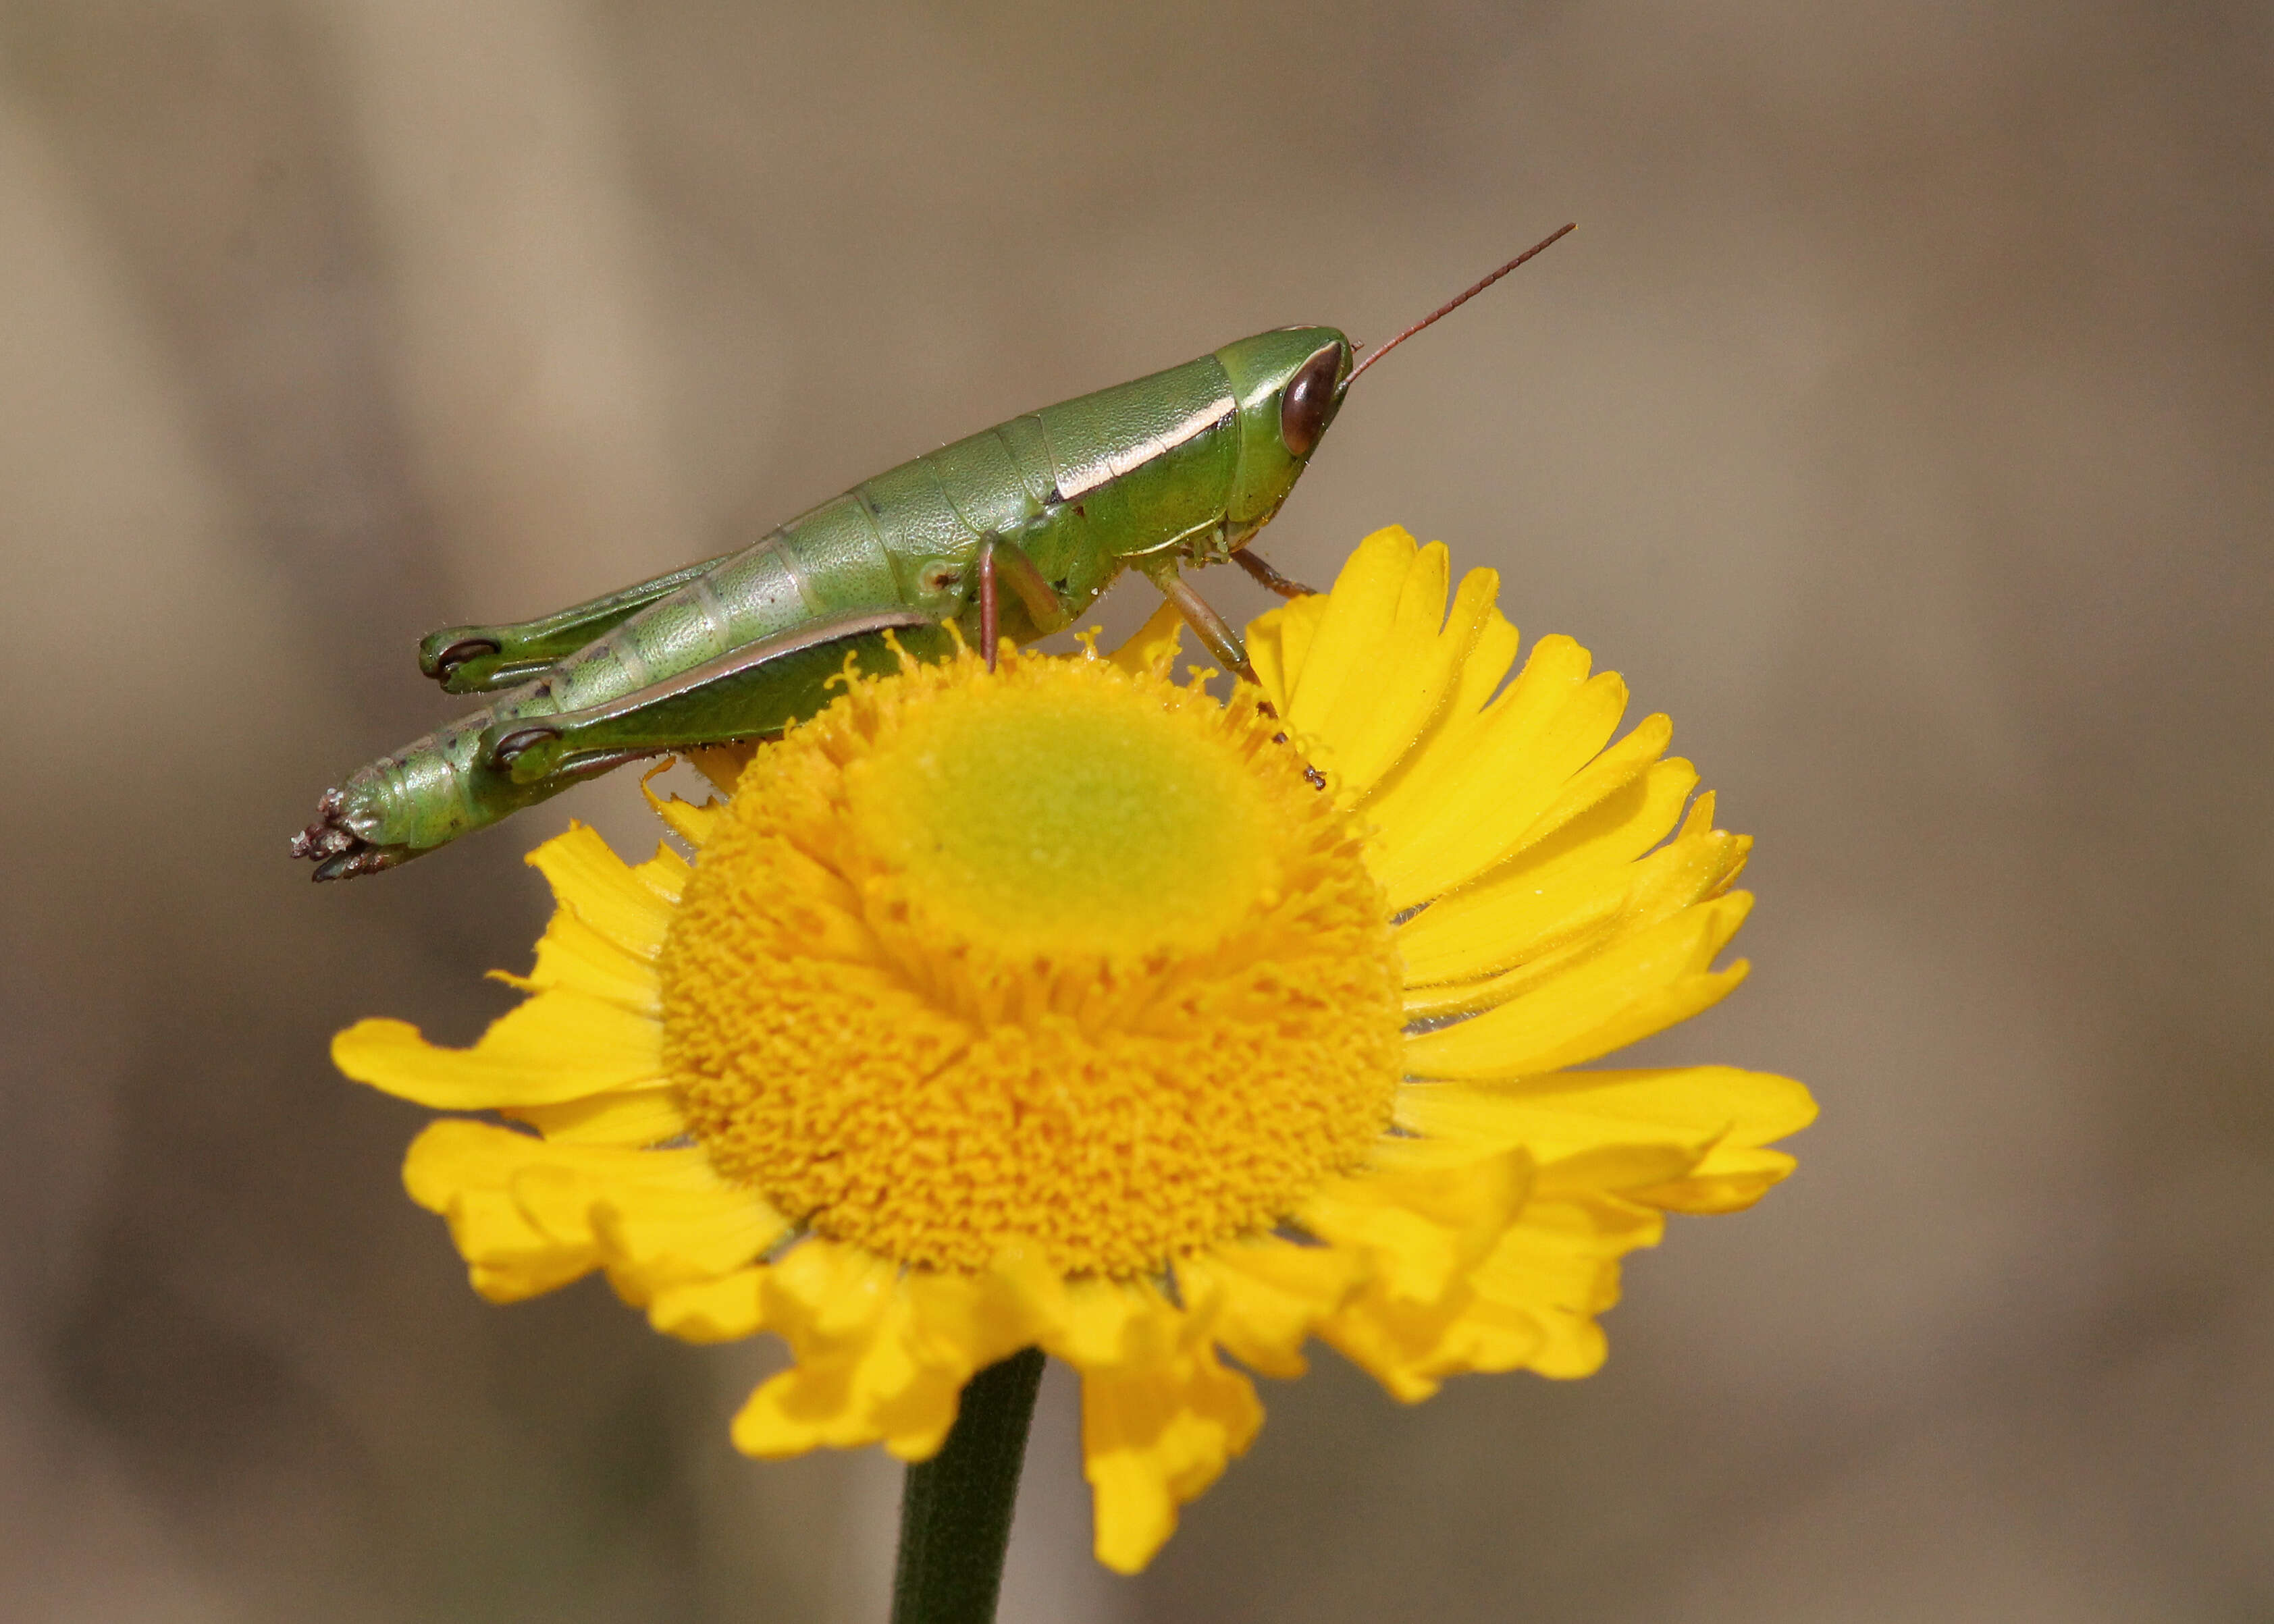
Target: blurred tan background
[[1900, 419]]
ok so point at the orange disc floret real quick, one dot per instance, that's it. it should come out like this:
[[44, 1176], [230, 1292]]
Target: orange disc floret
[[1067, 957]]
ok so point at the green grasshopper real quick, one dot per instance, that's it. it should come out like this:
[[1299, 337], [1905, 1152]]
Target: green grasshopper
[[1180, 468]]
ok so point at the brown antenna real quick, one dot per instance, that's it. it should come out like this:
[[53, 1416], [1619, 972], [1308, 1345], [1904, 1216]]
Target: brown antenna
[[1453, 303]]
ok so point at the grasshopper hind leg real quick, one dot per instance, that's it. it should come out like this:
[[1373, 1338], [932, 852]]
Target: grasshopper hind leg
[[482, 659], [751, 692]]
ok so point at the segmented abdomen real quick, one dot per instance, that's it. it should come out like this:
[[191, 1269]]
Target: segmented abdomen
[[823, 563], [1106, 476]]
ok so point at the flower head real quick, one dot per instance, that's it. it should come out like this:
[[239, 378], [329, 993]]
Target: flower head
[[1065, 1005]]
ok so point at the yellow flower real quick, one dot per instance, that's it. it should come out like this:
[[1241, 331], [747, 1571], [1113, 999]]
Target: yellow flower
[[1069, 1007]]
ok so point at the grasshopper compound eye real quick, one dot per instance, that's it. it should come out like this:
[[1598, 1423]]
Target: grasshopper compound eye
[[1309, 400]]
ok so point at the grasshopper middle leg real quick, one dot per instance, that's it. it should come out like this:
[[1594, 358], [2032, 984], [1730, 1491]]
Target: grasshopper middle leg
[[1003, 560]]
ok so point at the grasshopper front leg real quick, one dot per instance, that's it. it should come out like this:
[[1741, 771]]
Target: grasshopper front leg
[[1269, 579], [1214, 631]]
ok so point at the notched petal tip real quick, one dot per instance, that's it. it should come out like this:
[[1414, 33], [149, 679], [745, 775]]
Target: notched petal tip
[[1155, 1438]]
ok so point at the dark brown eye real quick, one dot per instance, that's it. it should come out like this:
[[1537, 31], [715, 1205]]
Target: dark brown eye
[[1309, 401]]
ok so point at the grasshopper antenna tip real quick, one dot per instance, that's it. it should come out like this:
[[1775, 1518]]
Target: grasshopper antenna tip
[[1458, 300]]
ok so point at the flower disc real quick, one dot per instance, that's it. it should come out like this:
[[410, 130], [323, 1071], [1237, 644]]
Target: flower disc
[[1056, 955]]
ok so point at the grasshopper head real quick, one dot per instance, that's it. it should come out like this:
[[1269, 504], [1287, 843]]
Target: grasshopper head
[[1290, 384]]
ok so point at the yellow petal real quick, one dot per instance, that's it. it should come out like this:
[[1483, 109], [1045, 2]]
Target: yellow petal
[[1567, 1111], [1557, 1267], [1550, 931], [1372, 674], [1421, 1231], [1548, 725], [1420, 681], [1728, 1180], [721, 764], [1105, 1324], [613, 959], [1357, 613], [1155, 1438], [1153, 648], [1601, 1172], [630, 1117], [1543, 1294], [914, 1421], [1435, 757], [832, 1304], [652, 1218], [1298, 630], [649, 1242], [1736, 1112], [1406, 1345], [871, 1392], [1424, 1312], [464, 1170], [710, 1311], [1482, 933], [1484, 1337], [1267, 657], [1407, 675], [1611, 833], [559, 1046], [500, 1154], [1484, 730], [1263, 1298], [604, 890], [1529, 1300], [1619, 766], [1639, 985], [690, 822], [573, 956], [1395, 1343], [1623, 803], [979, 1317], [868, 1369], [820, 1292]]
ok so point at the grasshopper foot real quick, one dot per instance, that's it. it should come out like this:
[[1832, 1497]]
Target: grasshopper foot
[[337, 851]]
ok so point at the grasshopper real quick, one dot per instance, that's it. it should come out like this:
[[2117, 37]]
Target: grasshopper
[[1180, 468]]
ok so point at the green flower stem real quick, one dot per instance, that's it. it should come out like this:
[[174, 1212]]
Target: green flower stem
[[955, 1512]]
